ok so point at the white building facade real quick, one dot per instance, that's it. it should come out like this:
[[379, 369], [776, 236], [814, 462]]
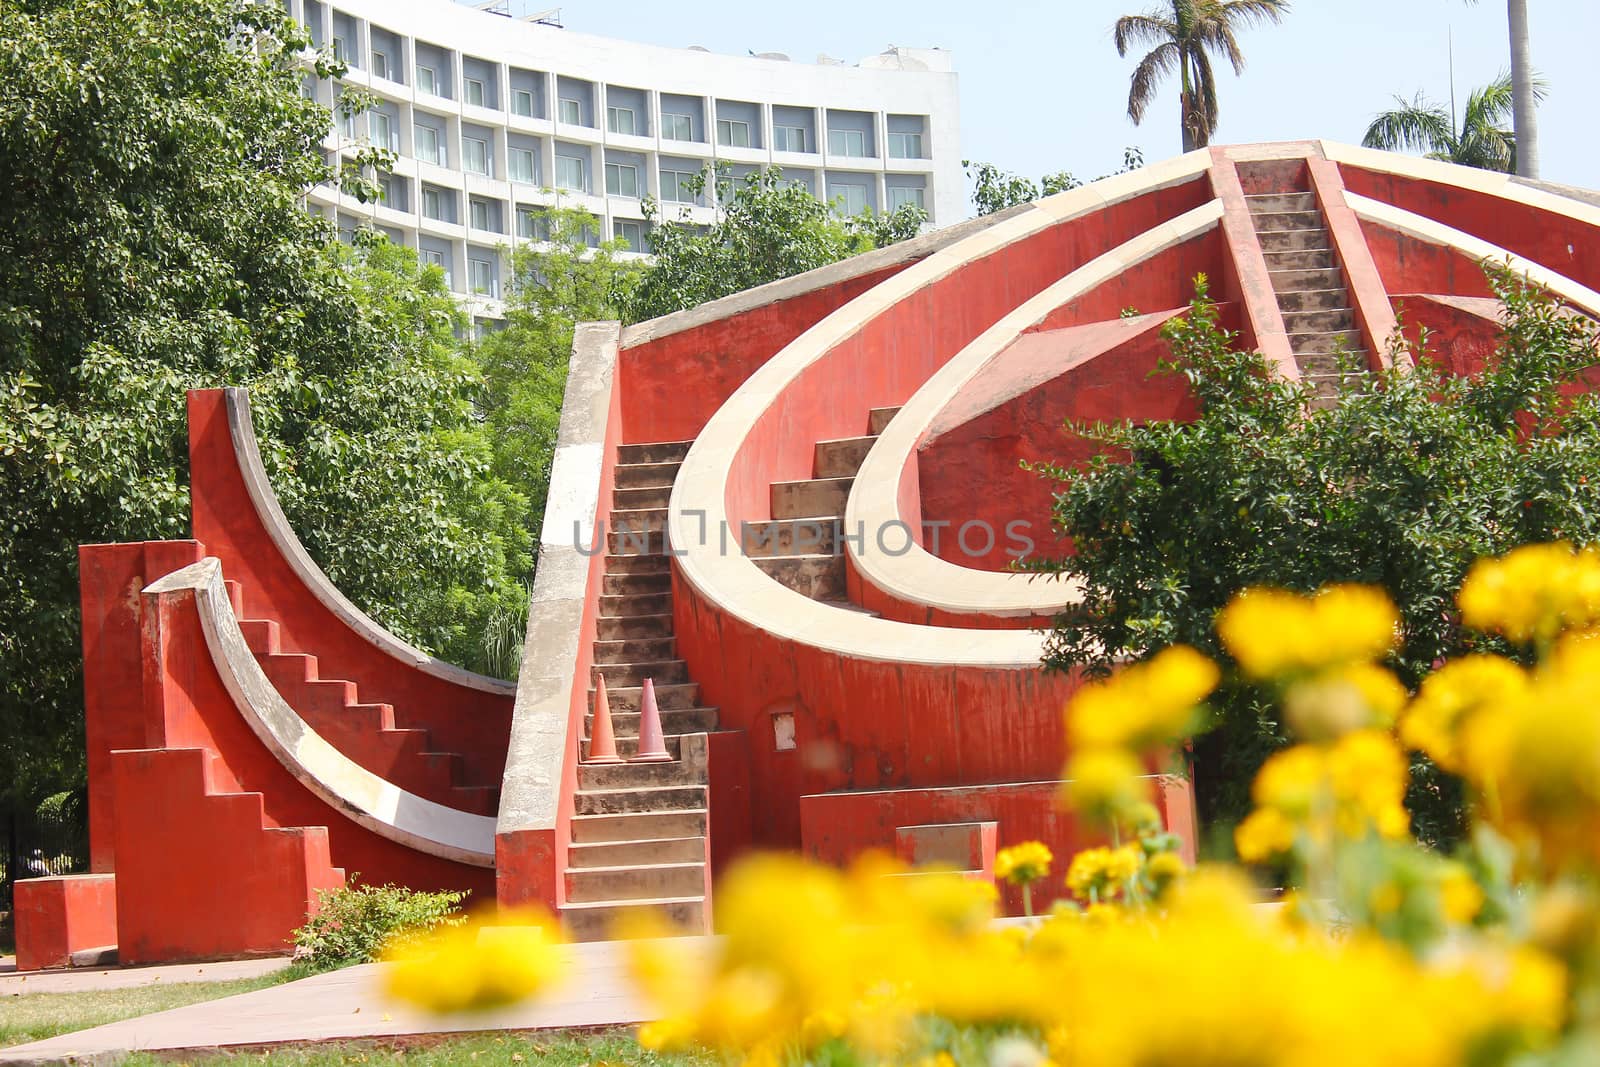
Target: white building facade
[[494, 119]]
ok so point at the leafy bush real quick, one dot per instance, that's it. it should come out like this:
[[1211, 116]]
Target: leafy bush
[[354, 923]]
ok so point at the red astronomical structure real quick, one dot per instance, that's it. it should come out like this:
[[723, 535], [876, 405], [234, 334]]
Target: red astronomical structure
[[791, 512]]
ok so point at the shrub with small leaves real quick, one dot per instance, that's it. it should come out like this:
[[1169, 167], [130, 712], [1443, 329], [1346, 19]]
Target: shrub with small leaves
[[355, 923]]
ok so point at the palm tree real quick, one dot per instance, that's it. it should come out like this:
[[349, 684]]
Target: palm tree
[[1481, 141], [1182, 38], [1526, 91]]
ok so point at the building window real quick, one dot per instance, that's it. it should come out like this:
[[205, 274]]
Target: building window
[[847, 142], [905, 145], [475, 92], [433, 205], [383, 134], [533, 224], [426, 80], [429, 146], [522, 166], [475, 153], [571, 112], [569, 174], [677, 127], [351, 124], [386, 187], [339, 52], [733, 133], [849, 199], [481, 273], [677, 186], [789, 139], [620, 120], [899, 196], [522, 102], [622, 180], [630, 233], [479, 210], [431, 258], [380, 64]]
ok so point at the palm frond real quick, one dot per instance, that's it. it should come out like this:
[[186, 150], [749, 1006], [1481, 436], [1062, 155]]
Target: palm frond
[[1416, 125], [1205, 87], [1152, 28], [1240, 14], [1162, 61]]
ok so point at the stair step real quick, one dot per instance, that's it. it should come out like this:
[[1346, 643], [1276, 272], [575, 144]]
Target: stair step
[[634, 627], [632, 604], [1313, 300], [638, 520], [841, 457], [630, 542], [645, 475], [600, 777], [661, 672], [1271, 203], [288, 668], [674, 721], [1293, 240], [1294, 281], [1300, 343], [476, 799], [1304, 260], [322, 694], [1340, 320], [878, 418], [789, 537], [635, 853], [1287, 220], [1328, 362], [646, 564], [672, 696], [591, 885], [636, 650], [618, 801], [638, 826], [653, 452], [627, 584], [594, 922], [816, 576], [261, 635], [651, 496], [810, 498], [628, 747]]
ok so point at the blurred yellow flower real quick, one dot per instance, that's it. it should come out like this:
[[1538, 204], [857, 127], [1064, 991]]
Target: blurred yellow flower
[[1263, 835], [1102, 873], [1105, 783], [477, 966], [1533, 593], [1023, 863], [1449, 698], [1272, 633], [1143, 705]]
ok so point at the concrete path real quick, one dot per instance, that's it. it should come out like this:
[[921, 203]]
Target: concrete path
[[349, 1004], [80, 980]]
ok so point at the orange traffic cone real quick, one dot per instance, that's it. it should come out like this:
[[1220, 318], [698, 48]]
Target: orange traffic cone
[[602, 738], [652, 746]]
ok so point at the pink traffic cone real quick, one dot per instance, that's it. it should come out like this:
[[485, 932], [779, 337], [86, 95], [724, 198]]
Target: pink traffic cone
[[652, 746], [602, 738]]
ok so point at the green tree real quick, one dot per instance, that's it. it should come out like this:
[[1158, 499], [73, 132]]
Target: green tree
[[766, 228], [569, 276], [1182, 35], [154, 238], [995, 190], [1400, 483], [1481, 141]]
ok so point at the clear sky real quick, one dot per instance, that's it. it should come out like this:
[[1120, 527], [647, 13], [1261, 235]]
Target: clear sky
[[1042, 87]]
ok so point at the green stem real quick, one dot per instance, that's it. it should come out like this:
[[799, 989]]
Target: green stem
[[1027, 899]]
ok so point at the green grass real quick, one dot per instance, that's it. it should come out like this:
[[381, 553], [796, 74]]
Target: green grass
[[36, 1016], [548, 1049]]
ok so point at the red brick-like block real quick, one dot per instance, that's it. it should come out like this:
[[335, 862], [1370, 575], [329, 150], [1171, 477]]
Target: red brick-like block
[[58, 916], [965, 846]]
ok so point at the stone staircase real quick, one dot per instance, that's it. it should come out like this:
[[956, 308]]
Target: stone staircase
[[364, 731], [1313, 296], [639, 830], [799, 547]]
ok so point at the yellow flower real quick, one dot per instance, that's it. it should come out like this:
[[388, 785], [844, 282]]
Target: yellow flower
[[1143, 705], [1165, 868], [1023, 863], [1102, 873], [1343, 698], [1450, 697], [1272, 633], [1291, 780], [476, 966], [1533, 592], [1105, 783], [1459, 895], [1263, 835]]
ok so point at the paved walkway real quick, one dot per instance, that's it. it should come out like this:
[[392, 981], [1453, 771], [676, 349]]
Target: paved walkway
[[348, 1004], [87, 978]]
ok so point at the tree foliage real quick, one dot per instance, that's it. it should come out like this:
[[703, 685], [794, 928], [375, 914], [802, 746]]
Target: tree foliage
[[995, 189], [766, 228], [1482, 139], [1402, 482], [154, 239]]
